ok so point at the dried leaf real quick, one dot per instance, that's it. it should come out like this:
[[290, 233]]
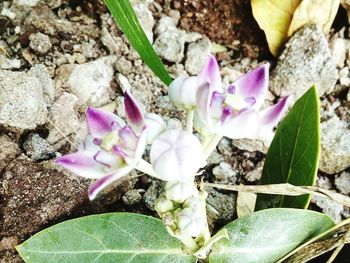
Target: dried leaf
[[245, 203], [274, 17], [319, 12]]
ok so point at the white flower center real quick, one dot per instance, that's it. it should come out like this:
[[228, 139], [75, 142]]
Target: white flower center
[[236, 102], [109, 140]]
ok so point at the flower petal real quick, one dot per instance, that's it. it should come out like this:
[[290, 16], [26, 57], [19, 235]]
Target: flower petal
[[254, 84], [155, 125], [101, 122], [272, 115], [133, 112], [243, 125], [210, 73], [182, 91], [81, 164], [103, 182]]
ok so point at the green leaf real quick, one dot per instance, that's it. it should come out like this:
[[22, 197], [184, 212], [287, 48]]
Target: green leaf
[[268, 235], [125, 16], [113, 237], [294, 153]]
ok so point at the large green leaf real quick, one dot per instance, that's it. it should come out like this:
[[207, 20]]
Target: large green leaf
[[268, 235], [114, 237], [124, 14], [294, 153]]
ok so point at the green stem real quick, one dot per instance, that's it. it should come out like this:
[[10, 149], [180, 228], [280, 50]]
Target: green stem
[[189, 120]]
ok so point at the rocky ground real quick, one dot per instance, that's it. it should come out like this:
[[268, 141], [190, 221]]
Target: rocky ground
[[59, 56]]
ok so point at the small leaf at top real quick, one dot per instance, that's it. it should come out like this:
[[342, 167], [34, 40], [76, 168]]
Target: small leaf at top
[[294, 153], [268, 235], [125, 16], [113, 237]]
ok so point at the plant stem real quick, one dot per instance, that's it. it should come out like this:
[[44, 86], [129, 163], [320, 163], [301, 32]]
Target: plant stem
[[211, 144], [189, 120]]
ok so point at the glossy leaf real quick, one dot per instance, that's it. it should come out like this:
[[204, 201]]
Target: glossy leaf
[[294, 153], [125, 16], [113, 237], [268, 235]]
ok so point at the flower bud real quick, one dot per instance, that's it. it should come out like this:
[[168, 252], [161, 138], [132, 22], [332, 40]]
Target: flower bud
[[176, 155], [191, 222], [155, 125], [163, 205], [182, 92], [179, 191]]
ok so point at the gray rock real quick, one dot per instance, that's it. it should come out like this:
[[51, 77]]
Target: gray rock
[[306, 60], [220, 207], [64, 117], [260, 145], [224, 173], [329, 207], [342, 182], [344, 78], [90, 82], [338, 49], [335, 146], [41, 72], [145, 18], [21, 100], [255, 174], [37, 148], [132, 197], [152, 193], [6, 63], [170, 45], [123, 66], [196, 55], [40, 43], [26, 2], [164, 24]]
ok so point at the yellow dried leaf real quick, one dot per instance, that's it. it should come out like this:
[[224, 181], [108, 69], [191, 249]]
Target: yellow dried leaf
[[274, 17], [319, 12], [281, 18]]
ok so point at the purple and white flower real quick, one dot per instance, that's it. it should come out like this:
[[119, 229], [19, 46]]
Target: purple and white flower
[[233, 112], [113, 147]]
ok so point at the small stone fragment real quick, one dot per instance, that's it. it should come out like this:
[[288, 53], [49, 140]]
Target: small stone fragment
[[170, 45], [40, 43], [196, 55], [252, 145], [224, 173], [342, 182], [37, 148], [255, 174], [41, 72], [6, 63], [220, 207], [344, 78], [132, 197], [64, 117], [26, 2], [305, 61], [90, 82], [164, 24], [21, 100], [145, 18], [152, 193], [338, 51], [335, 146]]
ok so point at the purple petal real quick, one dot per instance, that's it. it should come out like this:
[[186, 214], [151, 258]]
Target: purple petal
[[133, 111], [128, 141], [243, 125], [100, 122], [272, 115], [254, 84], [210, 73], [103, 182], [203, 98], [81, 164]]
